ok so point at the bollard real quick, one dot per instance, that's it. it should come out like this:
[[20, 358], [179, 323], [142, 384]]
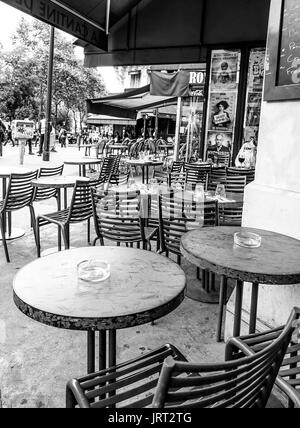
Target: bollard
[[22, 144]]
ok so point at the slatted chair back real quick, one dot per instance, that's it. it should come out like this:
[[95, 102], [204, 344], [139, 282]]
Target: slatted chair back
[[40, 193], [243, 383], [235, 188], [217, 176], [81, 207], [178, 215], [107, 168], [119, 179], [130, 384], [248, 173], [288, 380], [101, 147], [117, 217], [116, 166], [224, 159], [235, 184], [19, 192], [197, 174]]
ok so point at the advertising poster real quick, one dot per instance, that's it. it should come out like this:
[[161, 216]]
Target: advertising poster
[[256, 70], [251, 132], [23, 130], [253, 109], [222, 111], [224, 71], [225, 137]]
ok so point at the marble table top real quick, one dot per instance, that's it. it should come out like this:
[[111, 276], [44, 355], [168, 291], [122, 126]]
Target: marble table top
[[85, 161], [140, 162], [143, 286], [60, 181], [275, 262], [6, 171]]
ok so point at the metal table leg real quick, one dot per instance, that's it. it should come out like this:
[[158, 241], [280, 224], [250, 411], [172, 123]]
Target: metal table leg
[[91, 352], [253, 308], [238, 308]]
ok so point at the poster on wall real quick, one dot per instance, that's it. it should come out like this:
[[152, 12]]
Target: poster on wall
[[224, 71], [222, 111], [215, 139], [256, 70], [253, 109], [251, 132]]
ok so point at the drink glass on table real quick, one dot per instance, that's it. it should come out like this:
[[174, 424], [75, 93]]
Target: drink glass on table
[[199, 193], [220, 191], [241, 160]]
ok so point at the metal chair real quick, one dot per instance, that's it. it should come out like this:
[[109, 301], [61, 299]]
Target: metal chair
[[80, 210], [118, 218], [167, 176], [107, 169], [197, 174], [42, 193], [288, 379], [232, 215], [164, 379], [177, 216], [248, 173], [19, 195], [217, 176]]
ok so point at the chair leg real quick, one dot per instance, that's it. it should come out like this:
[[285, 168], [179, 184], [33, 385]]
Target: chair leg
[[66, 236], [95, 241], [89, 231], [38, 238], [33, 221], [2, 220], [222, 303], [9, 223]]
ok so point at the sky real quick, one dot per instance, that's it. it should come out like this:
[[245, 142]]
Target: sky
[[9, 18]]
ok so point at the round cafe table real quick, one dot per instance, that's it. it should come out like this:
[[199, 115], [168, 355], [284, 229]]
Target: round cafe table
[[145, 167], [143, 287], [82, 163], [276, 262], [5, 173]]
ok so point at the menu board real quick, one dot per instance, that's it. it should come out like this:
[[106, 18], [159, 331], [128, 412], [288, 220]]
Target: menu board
[[282, 76], [289, 63]]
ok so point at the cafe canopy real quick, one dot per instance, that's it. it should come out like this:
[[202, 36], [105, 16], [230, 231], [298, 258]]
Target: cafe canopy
[[127, 104], [140, 32]]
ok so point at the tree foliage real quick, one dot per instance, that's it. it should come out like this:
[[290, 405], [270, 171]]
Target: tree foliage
[[23, 76]]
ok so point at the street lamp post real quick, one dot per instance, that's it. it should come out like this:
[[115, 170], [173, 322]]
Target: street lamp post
[[46, 149]]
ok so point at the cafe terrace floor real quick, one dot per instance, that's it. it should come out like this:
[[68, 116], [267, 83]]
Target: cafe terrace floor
[[36, 361]]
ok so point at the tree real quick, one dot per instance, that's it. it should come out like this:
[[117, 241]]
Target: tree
[[23, 78]]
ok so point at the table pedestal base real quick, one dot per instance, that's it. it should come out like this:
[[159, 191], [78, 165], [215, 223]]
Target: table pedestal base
[[106, 351], [200, 295], [15, 234]]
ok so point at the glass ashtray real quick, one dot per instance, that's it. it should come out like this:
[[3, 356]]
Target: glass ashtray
[[247, 239], [93, 270]]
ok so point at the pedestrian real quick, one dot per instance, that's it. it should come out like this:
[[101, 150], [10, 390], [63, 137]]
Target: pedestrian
[[62, 138], [42, 131]]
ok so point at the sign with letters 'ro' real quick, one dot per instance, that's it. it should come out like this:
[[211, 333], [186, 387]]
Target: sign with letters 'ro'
[[65, 20]]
